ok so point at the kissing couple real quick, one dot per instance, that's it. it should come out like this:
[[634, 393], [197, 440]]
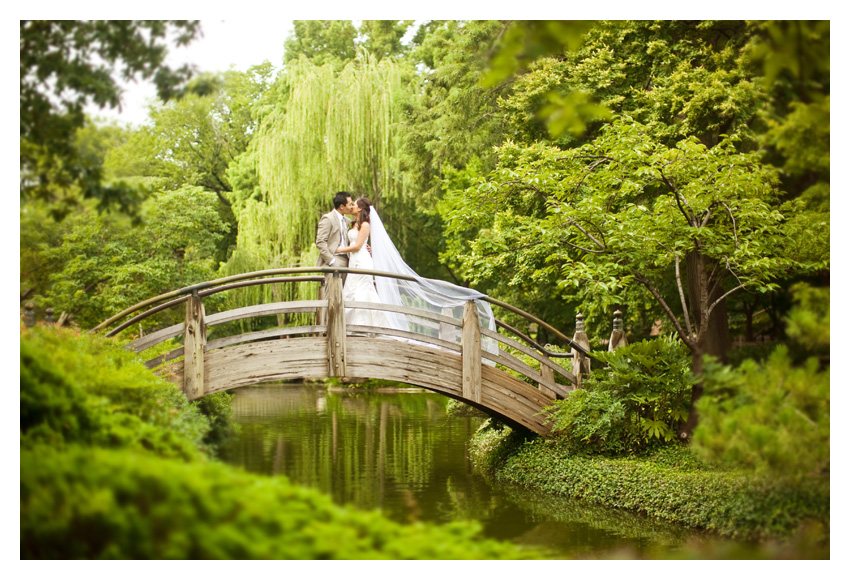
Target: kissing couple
[[343, 238]]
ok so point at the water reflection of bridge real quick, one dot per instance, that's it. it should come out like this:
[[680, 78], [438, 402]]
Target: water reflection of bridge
[[514, 381]]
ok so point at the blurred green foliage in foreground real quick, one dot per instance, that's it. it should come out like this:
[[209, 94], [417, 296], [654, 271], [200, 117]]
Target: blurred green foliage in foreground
[[115, 464]]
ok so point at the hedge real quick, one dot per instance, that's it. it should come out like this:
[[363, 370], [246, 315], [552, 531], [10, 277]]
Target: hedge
[[670, 484], [115, 464], [100, 503]]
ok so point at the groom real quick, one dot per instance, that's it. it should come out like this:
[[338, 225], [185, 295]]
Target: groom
[[333, 231]]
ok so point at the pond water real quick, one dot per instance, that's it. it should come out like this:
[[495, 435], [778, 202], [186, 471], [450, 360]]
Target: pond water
[[397, 451]]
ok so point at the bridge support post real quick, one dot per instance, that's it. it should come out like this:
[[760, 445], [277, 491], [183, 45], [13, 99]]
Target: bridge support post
[[336, 327], [194, 340], [581, 364], [470, 342]]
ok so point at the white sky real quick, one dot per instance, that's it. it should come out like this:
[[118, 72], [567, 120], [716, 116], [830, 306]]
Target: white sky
[[225, 44]]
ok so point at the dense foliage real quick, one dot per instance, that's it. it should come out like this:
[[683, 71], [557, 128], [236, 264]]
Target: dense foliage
[[640, 397], [112, 466], [773, 416], [94, 265], [66, 64], [80, 390]]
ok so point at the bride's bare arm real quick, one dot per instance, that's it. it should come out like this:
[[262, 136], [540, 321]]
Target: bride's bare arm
[[362, 235]]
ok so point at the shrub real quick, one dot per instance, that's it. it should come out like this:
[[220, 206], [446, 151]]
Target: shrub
[[87, 390], [111, 467], [218, 410], [97, 503], [494, 443], [769, 416], [636, 400]]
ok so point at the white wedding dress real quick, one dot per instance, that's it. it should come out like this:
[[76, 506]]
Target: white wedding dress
[[360, 288], [417, 292]]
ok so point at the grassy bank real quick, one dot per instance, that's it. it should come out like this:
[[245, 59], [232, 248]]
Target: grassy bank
[[116, 463], [671, 484]]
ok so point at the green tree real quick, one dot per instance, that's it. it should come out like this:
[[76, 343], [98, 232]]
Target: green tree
[[383, 37], [333, 131], [66, 64], [98, 264], [195, 139], [453, 118], [628, 210], [321, 42]]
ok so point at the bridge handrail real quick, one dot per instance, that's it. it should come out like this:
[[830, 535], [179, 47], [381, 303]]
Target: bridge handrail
[[209, 287]]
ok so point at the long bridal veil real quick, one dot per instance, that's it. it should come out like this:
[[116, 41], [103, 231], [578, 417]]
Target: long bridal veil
[[423, 293]]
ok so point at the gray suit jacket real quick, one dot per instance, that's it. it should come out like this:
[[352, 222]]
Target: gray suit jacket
[[328, 240]]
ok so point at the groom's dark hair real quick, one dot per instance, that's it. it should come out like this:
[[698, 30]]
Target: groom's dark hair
[[341, 198]]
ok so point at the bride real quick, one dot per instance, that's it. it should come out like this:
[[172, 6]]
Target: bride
[[358, 287], [417, 292]]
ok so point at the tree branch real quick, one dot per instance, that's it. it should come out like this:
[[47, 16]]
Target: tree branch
[[525, 185], [599, 244], [682, 298], [734, 225], [686, 338], [706, 218], [587, 250], [513, 249], [688, 218], [719, 300]]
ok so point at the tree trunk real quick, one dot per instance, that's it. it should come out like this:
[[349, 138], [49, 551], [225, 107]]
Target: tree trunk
[[687, 431], [716, 339]]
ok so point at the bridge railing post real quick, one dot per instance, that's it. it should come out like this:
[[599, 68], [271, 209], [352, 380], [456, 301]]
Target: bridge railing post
[[322, 313], [194, 340], [581, 363], [470, 342], [618, 335], [336, 327], [547, 374]]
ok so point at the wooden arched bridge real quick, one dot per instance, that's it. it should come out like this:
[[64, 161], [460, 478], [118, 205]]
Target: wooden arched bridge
[[448, 360]]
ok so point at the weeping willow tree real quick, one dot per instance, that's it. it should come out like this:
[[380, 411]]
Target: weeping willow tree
[[331, 131]]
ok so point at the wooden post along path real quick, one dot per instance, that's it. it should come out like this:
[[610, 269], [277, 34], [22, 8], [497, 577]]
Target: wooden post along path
[[194, 340], [336, 328], [470, 341]]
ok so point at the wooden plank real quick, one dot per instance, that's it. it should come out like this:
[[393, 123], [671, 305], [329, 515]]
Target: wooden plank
[[517, 365], [535, 354], [471, 351], [164, 334], [405, 310], [336, 328], [519, 391], [195, 338], [265, 310], [263, 334], [419, 338], [164, 358], [410, 363], [247, 364], [155, 338]]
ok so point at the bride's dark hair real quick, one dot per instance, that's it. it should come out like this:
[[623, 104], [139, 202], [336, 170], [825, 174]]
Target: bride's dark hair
[[364, 205]]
